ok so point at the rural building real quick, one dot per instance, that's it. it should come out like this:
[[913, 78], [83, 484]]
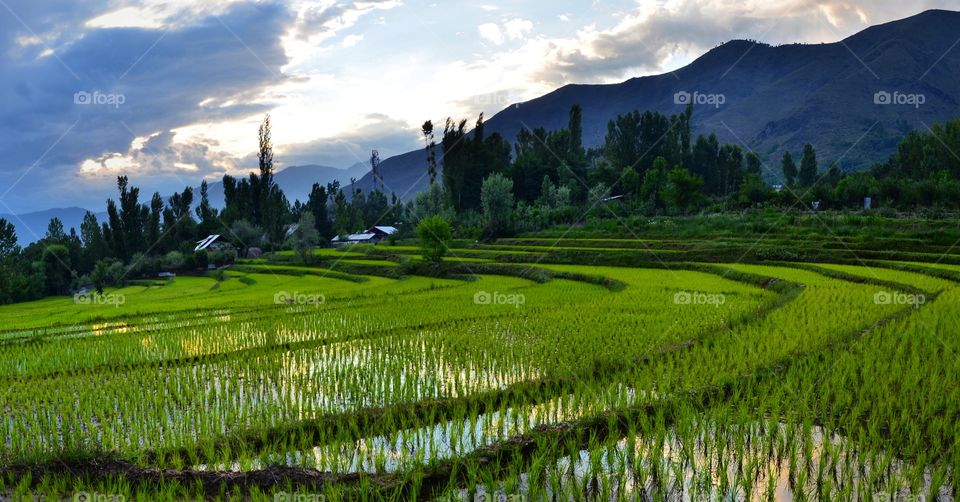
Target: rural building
[[382, 232], [212, 242], [372, 236]]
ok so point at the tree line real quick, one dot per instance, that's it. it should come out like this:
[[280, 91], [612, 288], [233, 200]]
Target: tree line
[[649, 163]]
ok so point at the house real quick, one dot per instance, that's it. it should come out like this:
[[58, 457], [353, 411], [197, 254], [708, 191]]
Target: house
[[362, 238], [371, 236], [212, 242], [382, 232], [359, 238]]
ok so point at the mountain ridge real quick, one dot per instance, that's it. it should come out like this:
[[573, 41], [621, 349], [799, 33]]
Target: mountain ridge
[[776, 97]]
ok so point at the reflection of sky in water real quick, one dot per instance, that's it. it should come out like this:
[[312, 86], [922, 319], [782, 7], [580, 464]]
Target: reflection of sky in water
[[612, 475]]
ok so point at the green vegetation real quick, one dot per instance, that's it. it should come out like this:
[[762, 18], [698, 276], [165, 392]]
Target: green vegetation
[[522, 373], [552, 323]]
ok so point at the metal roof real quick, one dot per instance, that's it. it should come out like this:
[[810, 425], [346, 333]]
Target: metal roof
[[206, 242], [386, 229], [360, 237]]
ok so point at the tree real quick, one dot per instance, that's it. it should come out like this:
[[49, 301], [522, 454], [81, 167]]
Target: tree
[[789, 168], [808, 166], [317, 206], [133, 216], [467, 161], [754, 163], [431, 146], [178, 219], [730, 163], [94, 245], [55, 232], [753, 190], [8, 239], [496, 200], [854, 188], [435, 236], [246, 235], [654, 184], [206, 214], [683, 189], [99, 276], [305, 237], [430, 202], [705, 162], [56, 269], [270, 206], [154, 237], [573, 171]]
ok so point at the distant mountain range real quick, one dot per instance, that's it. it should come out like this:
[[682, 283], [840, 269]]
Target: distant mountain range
[[296, 182], [774, 98]]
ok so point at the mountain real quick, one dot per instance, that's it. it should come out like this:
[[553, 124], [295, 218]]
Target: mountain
[[31, 227], [296, 182], [774, 98]]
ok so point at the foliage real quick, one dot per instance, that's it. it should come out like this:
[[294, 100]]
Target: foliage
[[496, 198], [435, 236]]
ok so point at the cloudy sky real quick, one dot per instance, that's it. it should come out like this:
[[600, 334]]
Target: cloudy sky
[[171, 91]]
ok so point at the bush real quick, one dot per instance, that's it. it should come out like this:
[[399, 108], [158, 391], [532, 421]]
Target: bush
[[201, 259], [172, 261], [221, 258], [116, 273], [435, 236]]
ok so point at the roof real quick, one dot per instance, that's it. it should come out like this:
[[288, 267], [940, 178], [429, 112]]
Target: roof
[[385, 229], [206, 242], [361, 237]]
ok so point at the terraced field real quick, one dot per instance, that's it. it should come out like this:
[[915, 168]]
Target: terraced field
[[535, 369]]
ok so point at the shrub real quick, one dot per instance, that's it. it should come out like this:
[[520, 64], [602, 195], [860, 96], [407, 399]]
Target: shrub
[[435, 236], [172, 261]]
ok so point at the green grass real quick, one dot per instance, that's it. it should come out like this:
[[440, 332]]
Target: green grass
[[715, 380]]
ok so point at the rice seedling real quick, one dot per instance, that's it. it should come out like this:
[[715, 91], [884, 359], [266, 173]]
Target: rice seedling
[[549, 381]]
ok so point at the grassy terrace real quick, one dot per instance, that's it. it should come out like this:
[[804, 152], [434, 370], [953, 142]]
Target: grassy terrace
[[522, 372]]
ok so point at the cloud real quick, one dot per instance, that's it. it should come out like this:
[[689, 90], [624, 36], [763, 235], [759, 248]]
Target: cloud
[[351, 40], [656, 38], [491, 33], [513, 29], [318, 22], [390, 136], [215, 69]]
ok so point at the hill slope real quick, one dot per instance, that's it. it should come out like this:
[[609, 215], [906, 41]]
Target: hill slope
[[775, 97]]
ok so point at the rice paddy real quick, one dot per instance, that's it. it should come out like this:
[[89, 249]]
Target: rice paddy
[[525, 373]]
